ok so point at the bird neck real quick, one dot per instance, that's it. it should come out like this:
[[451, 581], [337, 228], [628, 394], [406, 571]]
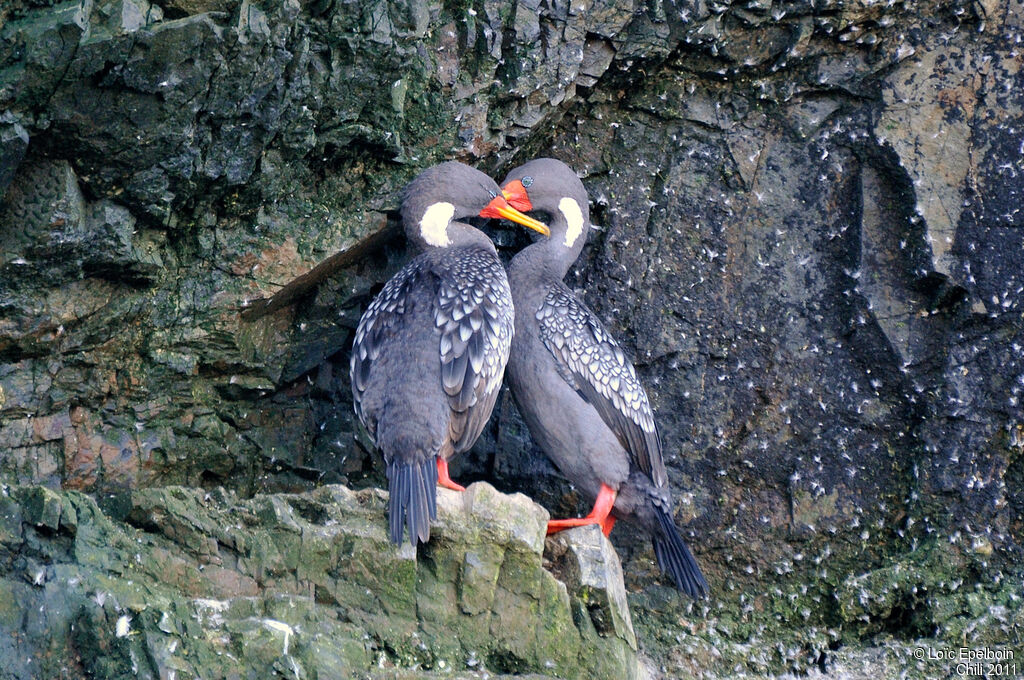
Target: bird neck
[[463, 235], [550, 258], [458, 235]]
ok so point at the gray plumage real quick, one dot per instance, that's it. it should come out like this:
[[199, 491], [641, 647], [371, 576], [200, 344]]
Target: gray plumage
[[573, 384], [474, 317], [590, 360], [430, 350]]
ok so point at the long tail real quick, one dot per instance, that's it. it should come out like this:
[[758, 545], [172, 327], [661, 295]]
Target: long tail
[[675, 558], [413, 499]]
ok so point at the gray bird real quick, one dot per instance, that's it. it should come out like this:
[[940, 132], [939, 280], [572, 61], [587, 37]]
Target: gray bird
[[430, 350], [576, 390]]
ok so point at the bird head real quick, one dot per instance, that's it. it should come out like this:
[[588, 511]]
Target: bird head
[[445, 193], [550, 186]]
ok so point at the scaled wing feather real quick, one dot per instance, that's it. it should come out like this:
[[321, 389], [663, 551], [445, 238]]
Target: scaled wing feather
[[474, 314], [591, 361], [376, 329]]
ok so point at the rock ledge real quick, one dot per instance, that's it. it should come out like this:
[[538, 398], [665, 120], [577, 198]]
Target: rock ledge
[[179, 582]]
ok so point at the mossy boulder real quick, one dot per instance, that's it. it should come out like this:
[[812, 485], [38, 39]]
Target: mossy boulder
[[205, 584]]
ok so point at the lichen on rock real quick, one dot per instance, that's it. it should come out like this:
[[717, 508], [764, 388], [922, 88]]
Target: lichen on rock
[[203, 584]]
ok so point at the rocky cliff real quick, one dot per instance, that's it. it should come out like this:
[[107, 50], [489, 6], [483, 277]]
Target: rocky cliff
[[810, 242]]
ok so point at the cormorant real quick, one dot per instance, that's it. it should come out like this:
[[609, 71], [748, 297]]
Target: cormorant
[[430, 350], [574, 386]]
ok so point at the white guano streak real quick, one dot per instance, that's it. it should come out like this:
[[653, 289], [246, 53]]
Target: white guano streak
[[573, 217], [434, 225]]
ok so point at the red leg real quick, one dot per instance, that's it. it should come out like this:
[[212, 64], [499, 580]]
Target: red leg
[[599, 515], [442, 476], [607, 524]]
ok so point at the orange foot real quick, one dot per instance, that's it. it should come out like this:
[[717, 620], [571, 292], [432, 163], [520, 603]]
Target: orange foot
[[442, 476], [599, 515]]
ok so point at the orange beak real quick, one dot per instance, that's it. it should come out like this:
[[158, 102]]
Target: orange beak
[[515, 194], [499, 207]]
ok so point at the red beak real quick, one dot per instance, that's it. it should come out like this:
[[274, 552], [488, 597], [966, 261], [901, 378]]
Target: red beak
[[515, 194]]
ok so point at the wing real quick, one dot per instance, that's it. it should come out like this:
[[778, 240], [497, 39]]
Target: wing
[[590, 360], [474, 314], [376, 327]]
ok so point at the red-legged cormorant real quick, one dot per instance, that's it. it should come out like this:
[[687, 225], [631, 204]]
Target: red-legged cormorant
[[575, 388], [430, 350]]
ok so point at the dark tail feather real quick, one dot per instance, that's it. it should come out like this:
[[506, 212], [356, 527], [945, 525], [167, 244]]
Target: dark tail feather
[[675, 558], [413, 499]]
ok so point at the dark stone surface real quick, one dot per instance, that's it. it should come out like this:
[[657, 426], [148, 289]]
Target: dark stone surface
[[810, 241], [13, 144]]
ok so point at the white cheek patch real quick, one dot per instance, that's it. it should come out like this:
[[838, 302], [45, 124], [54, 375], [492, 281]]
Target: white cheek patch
[[434, 225], [574, 218]]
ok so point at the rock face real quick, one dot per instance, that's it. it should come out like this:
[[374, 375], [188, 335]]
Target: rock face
[[195, 584], [810, 241]]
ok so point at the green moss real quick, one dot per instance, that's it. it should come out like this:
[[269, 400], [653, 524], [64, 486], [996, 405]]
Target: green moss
[[928, 596], [809, 510], [209, 576], [42, 506]]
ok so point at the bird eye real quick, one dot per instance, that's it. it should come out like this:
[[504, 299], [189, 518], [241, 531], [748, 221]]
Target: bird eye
[[527, 181], [492, 193]]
